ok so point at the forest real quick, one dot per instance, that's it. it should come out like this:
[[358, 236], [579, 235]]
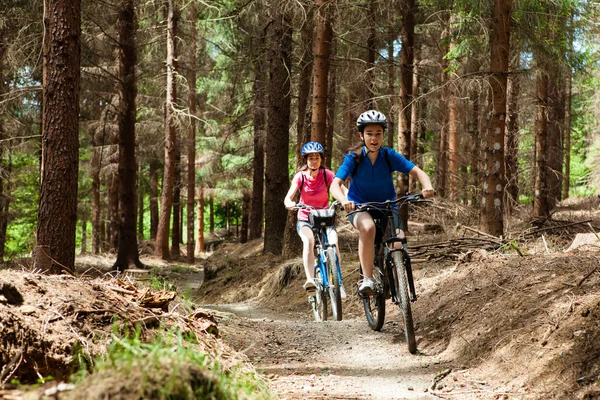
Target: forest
[[157, 122]]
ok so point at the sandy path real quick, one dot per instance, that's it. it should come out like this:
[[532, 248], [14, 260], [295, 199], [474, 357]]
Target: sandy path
[[333, 360]]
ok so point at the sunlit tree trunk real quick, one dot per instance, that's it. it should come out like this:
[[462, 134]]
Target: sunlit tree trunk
[[494, 180], [331, 93], [556, 119], [55, 242], [414, 116], [211, 215], [166, 203], [475, 154]]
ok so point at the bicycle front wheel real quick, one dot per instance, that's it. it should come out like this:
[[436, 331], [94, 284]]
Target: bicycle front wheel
[[375, 305], [334, 285], [401, 284], [320, 303]]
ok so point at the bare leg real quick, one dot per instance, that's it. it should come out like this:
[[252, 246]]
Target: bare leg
[[308, 255], [366, 242]]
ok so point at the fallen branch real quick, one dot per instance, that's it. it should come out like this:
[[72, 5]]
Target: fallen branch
[[468, 228], [438, 377]]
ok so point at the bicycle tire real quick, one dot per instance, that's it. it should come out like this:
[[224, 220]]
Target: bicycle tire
[[374, 305], [320, 305], [401, 284], [334, 284]]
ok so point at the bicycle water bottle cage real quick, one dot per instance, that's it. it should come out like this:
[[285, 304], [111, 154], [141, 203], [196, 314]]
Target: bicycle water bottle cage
[[324, 217]]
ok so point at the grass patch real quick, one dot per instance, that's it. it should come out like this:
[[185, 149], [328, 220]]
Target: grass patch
[[172, 366]]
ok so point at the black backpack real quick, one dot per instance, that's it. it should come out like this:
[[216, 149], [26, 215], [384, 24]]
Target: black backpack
[[358, 159]]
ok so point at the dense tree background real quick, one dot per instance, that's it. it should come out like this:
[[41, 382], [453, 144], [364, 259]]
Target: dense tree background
[[229, 87]]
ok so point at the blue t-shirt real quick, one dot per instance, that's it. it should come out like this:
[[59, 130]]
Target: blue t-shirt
[[373, 182]]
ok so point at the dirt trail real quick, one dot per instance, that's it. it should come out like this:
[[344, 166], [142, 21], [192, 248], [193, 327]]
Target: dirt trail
[[335, 360]]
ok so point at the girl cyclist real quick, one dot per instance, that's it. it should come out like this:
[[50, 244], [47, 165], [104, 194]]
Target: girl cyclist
[[313, 183], [370, 168]]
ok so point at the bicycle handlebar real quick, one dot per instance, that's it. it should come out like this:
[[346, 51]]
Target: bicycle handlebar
[[408, 198], [301, 206]]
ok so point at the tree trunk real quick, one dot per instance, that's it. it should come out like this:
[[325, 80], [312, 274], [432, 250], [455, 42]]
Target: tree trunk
[[200, 216], [475, 151], [556, 119], [258, 164], [442, 156], [211, 214], [567, 131], [453, 126], [391, 78], [494, 181], [407, 35], [305, 67], [511, 144], [140, 203], [128, 246], [245, 216], [322, 45], [5, 196], [154, 166], [330, 113], [414, 116], [166, 203], [191, 139], [276, 172], [369, 103], [96, 207], [540, 196], [60, 133]]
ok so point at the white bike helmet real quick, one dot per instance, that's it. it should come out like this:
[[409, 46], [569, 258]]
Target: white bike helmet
[[371, 117]]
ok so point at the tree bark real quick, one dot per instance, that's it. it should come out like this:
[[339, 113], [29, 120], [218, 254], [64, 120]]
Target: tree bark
[[567, 131], [154, 167], [162, 234], [245, 216], [511, 143], [442, 156], [191, 139], [305, 66], [258, 163], [391, 78], [540, 197], [494, 181], [407, 34], [322, 46], [128, 245], [414, 116], [57, 213], [276, 173], [200, 216]]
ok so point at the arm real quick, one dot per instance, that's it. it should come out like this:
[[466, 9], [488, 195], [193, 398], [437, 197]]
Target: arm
[[339, 191], [424, 180], [289, 203]]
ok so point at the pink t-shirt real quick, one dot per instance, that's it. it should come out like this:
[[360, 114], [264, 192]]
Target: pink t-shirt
[[314, 191]]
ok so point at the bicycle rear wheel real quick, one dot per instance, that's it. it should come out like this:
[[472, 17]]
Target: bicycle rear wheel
[[375, 305], [401, 284], [334, 285], [320, 304]]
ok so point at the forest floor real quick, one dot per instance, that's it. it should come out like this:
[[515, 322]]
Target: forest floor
[[511, 319]]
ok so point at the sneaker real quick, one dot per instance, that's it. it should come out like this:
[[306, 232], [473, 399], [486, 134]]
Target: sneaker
[[309, 286], [342, 292], [367, 286]]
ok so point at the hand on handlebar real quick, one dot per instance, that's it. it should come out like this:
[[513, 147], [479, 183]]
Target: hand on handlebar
[[428, 193], [348, 205]]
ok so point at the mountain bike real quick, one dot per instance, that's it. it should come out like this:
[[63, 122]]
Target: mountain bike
[[328, 275], [392, 269]]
